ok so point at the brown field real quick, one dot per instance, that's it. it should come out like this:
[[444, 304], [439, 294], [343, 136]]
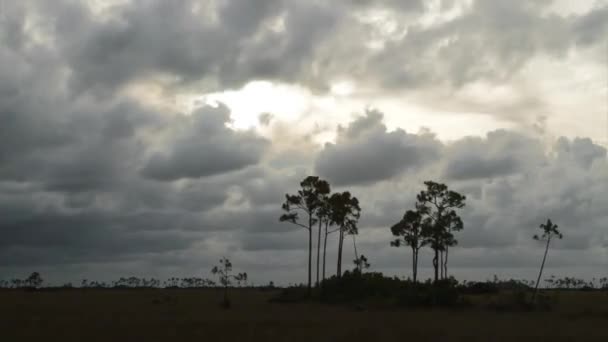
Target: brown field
[[194, 315]]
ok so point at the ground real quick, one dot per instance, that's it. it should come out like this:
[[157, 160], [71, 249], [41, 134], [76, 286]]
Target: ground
[[188, 315]]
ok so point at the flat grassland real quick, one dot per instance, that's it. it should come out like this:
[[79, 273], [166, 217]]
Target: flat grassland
[[194, 315]]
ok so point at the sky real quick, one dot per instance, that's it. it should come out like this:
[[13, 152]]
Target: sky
[[151, 138]]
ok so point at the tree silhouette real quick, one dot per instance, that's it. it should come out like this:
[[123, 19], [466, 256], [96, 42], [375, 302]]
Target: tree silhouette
[[345, 213], [308, 200], [34, 280], [323, 190], [549, 231], [409, 232], [223, 272], [241, 279], [361, 263], [437, 205], [324, 216]]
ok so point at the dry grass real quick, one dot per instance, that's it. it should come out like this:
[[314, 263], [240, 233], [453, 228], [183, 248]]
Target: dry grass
[[180, 315]]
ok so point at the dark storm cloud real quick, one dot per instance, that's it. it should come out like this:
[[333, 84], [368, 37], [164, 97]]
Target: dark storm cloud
[[93, 148], [228, 43], [366, 152], [224, 43], [203, 146], [89, 235], [502, 153], [186, 39]]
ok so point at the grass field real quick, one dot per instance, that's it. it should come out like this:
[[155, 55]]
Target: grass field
[[194, 315]]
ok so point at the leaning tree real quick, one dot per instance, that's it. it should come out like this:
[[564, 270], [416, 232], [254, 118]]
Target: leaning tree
[[409, 233], [437, 205], [307, 201], [549, 231]]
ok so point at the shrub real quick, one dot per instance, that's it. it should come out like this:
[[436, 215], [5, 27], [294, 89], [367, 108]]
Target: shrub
[[354, 286], [479, 288]]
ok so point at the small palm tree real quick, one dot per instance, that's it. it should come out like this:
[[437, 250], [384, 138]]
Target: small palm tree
[[549, 231]]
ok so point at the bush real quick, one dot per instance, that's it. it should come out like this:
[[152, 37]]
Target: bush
[[479, 288], [354, 286], [444, 293]]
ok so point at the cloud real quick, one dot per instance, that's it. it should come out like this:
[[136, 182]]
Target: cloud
[[203, 146], [501, 153], [185, 39], [580, 151], [366, 152], [588, 28]]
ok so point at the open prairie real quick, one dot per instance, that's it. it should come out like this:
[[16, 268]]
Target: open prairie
[[179, 315]]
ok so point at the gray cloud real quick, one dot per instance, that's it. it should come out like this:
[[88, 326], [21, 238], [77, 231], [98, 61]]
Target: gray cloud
[[228, 43], [365, 152], [204, 146], [581, 151], [502, 153]]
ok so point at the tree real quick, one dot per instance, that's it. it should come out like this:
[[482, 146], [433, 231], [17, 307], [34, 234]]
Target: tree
[[549, 231], [34, 280], [308, 200], [223, 272], [409, 233], [437, 205], [241, 279], [324, 216], [323, 190], [345, 213], [361, 263]]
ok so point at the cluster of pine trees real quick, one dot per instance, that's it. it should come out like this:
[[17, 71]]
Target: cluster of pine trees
[[315, 206], [432, 222]]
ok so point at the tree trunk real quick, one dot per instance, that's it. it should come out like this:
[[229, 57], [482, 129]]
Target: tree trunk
[[542, 265], [340, 242], [360, 266], [435, 261], [445, 262], [355, 247], [318, 252], [325, 249], [309, 290], [441, 265], [414, 264]]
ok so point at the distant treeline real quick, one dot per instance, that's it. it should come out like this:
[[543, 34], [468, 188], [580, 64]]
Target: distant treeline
[[35, 280]]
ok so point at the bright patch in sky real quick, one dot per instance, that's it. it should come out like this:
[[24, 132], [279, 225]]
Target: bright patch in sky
[[343, 88], [259, 97]]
